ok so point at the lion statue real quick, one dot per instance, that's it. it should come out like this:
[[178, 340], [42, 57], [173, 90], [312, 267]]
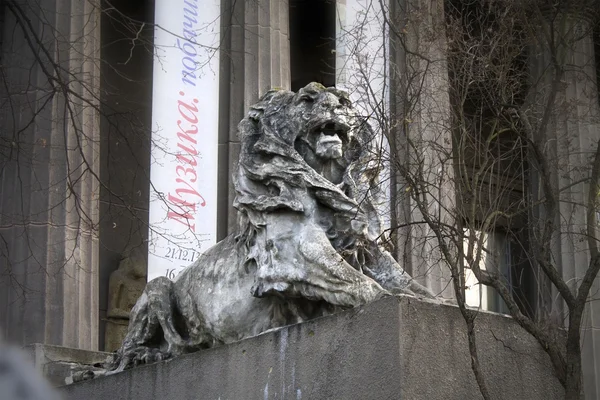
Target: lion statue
[[308, 235]]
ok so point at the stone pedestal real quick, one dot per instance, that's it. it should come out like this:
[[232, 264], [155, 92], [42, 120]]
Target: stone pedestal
[[49, 166], [396, 348], [255, 57]]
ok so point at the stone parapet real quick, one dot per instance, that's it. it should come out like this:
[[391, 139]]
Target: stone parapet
[[58, 364], [390, 349]]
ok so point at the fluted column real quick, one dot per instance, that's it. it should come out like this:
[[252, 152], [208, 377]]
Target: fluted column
[[420, 137], [255, 57], [48, 164], [569, 141]]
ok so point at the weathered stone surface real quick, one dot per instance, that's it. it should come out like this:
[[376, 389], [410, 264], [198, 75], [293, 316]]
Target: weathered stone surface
[[48, 185], [58, 364], [395, 348], [125, 286], [307, 244], [424, 142]]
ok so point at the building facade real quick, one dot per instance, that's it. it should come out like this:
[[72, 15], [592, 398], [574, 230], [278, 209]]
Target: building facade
[[77, 142]]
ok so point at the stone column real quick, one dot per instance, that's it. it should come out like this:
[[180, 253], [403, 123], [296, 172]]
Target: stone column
[[569, 141], [48, 164], [420, 136], [255, 57], [362, 38]]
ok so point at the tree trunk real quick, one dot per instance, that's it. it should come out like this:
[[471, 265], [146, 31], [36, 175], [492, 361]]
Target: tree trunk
[[573, 381]]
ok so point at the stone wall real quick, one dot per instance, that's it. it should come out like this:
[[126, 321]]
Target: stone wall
[[391, 349]]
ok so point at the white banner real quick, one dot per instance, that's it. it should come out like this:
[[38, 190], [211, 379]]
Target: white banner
[[183, 171]]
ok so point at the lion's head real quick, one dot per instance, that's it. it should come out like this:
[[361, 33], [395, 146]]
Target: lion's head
[[311, 139], [318, 122]]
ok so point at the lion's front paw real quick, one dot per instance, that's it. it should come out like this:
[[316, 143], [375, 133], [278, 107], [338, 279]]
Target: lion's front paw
[[144, 355], [151, 355]]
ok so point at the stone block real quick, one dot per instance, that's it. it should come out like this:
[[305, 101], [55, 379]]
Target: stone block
[[266, 54], [394, 348], [251, 12], [263, 9], [253, 48], [284, 21], [58, 364], [275, 70]]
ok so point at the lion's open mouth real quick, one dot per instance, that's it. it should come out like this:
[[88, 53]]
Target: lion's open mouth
[[333, 131]]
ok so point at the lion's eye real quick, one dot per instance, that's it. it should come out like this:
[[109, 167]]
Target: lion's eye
[[345, 102], [307, 98]]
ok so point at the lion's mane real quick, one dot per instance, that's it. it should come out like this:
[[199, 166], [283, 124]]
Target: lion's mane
[[270, 169]]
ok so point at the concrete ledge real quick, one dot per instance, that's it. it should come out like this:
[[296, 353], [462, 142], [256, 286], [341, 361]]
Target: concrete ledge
[[58, 364], [391, 349]]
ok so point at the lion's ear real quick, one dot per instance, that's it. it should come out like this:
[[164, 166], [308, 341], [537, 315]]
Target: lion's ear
[[258, 109], [269, 95]]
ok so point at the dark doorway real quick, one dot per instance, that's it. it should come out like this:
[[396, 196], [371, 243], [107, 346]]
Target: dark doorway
[[312, 42], [126, 94]]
